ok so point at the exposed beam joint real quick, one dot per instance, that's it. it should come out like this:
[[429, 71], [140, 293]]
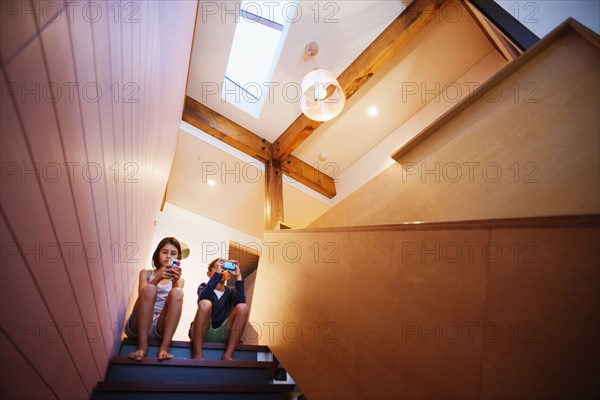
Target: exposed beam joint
[[220, 127], [395, 37]]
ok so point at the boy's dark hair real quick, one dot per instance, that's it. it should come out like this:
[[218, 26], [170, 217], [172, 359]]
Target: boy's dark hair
[[212, 264], [161, 244]]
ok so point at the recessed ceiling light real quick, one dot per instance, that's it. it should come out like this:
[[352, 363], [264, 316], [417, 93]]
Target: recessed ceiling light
[[211, 182], [372, 111]]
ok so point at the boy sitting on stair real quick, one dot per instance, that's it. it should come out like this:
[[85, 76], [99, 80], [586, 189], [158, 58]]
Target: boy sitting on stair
[[222, 313]]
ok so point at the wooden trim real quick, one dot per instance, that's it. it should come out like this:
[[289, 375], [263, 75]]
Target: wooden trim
[[125, 386], [164, 200], [518, 33], [569, 25], [395, 37], [308, 176], [585, 32], [563, 221], [273, 194], [227, 131], [494, 35]]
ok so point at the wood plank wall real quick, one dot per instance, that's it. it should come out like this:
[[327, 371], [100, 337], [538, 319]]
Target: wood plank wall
[[527, 147], [92, 96], [496, 309]]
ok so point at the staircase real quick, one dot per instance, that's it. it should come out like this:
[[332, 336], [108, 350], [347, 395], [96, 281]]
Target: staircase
[[251, 377]]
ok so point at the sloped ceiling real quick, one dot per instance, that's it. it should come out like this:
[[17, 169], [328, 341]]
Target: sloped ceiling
[[440, 54]]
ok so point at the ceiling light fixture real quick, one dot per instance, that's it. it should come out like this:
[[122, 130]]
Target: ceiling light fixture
[[211, 182], [322, 96], [372, 111]]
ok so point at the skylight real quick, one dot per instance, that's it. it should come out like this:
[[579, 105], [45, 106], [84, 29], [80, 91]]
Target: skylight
[[259, 36]]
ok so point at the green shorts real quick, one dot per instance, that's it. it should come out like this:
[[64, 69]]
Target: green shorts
[[214, 335]]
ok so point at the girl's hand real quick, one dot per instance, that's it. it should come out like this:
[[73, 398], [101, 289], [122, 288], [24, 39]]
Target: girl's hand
[[175, 273], [163, 272]]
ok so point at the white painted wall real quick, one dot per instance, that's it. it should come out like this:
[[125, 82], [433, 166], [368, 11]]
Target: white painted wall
[[207, 240]]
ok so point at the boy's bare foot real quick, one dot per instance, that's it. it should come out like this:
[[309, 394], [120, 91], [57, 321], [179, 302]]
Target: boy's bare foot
[[228, 358], [164, 355], [198, 356], [138, 354]]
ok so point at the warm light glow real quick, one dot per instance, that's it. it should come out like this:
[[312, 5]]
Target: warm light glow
[[322, 96], [372, 111], [211, 182]]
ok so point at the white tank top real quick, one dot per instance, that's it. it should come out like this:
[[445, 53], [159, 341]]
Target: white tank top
[[161, 297]]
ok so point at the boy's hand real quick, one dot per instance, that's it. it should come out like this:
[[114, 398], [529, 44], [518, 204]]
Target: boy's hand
[[237, 273], [163, 272]]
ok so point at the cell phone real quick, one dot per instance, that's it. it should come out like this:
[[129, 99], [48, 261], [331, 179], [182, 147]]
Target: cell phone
[[229, 266], [173, 262]]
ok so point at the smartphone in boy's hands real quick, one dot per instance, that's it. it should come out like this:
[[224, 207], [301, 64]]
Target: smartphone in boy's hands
[[229, 266]]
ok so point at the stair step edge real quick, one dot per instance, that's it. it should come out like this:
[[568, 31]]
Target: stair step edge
[[191, 387], [188, 362], [185, 344]]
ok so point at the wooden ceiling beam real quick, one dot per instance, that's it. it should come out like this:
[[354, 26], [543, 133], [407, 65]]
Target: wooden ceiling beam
[[273, 195], [395, 37], [225, 130], [309, 176], [222, 128]]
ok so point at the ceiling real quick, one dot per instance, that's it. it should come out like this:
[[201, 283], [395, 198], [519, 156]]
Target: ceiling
[[342, 30], [443, 52]]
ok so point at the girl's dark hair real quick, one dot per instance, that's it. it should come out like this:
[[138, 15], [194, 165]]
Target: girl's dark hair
[[161, 244]]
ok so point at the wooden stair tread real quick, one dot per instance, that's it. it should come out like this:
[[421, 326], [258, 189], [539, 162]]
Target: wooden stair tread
[[191, 387], [188, 362], [219, 346]]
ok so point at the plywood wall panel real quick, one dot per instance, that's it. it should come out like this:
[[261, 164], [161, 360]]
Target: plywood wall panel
[[375, 305], [543, 300], [492, 309]]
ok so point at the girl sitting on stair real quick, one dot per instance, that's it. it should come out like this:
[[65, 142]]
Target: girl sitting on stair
[[158, 307]]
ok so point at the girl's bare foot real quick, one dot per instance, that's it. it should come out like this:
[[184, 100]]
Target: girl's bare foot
[[138, 354], [164, 355]]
